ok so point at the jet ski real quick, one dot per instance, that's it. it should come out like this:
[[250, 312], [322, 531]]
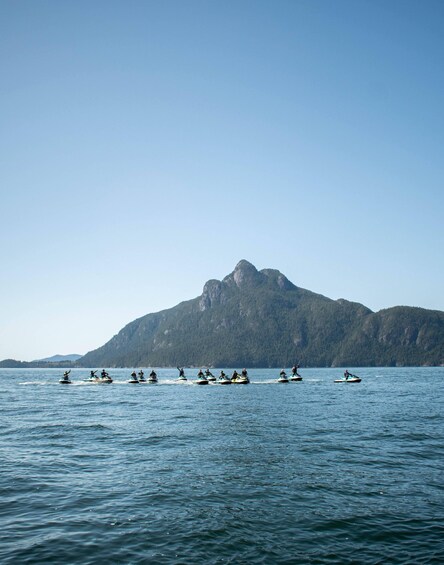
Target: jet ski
[[224, 381], [240, 380], [141, 376], [152, 379], [65, 379], [295, 378], [91, 380], [133, 380], [349, 380], [282, 378], [105, 380], [201, 381]]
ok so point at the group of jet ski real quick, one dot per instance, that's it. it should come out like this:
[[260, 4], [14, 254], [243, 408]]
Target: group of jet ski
[[240, 378], [223, 379], [140, 377], [93, 378], [203, 378]]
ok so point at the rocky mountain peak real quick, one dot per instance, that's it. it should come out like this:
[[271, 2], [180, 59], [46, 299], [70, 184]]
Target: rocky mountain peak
[[245, 274], [278, 279], [211, 295]]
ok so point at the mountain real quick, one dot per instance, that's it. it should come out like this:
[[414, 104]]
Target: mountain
[[14, 364], [260, 319], [56, 361], [59, 358]]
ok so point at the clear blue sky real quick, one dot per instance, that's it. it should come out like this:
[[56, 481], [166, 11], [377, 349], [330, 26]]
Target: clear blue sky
[[148, 146]]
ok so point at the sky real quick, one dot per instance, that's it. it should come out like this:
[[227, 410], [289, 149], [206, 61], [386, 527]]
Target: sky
[[148, 146]]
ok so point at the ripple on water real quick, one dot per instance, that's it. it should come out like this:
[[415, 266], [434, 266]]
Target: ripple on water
[[307, 473]]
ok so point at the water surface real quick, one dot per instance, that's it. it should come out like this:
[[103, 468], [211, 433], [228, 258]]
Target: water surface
[[310, 472]]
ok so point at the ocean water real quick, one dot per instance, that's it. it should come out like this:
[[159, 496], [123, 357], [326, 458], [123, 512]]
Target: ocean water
[[307, 472]]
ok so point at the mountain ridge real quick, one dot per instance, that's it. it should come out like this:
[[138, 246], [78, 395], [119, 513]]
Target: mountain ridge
[[59, 358], [261, 319]]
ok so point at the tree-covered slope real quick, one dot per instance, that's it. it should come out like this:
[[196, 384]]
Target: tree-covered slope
[[260, 319], [401, 335]]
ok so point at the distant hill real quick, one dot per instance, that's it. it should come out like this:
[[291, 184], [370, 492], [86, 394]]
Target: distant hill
[[56, 361], [260, 319], [59, 358], [14, 364]]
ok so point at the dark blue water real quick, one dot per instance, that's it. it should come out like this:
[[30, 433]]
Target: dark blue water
[[309, 472]]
